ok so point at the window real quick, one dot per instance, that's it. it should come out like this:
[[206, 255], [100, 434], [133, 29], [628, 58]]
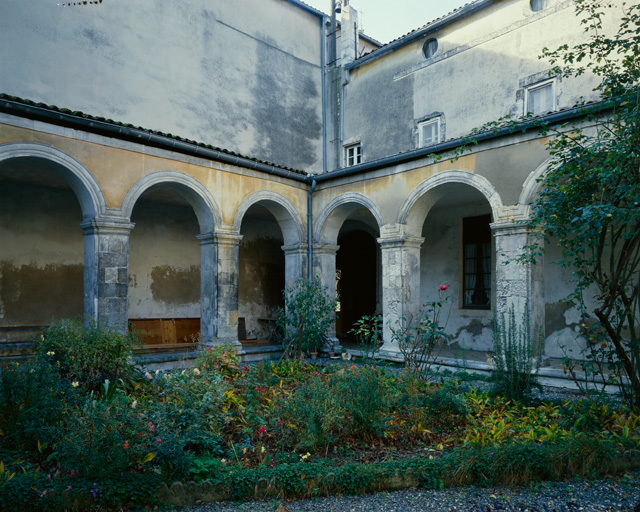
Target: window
[[540, 98], [429, 132], [430, 47], [536, 5], [476, 236], [353, 155]]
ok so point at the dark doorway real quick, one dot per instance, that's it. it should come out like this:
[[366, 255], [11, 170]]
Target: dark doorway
[[356, 274]]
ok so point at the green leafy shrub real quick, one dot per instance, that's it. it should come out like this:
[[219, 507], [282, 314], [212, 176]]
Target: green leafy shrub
[[191, 405], [86, 355], [517, 351], [33, 401], [306, 317]]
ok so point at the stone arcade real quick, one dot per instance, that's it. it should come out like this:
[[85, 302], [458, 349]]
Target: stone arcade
[[117, 203]]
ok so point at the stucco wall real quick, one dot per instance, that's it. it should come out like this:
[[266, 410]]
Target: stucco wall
[[440, 263], [477, 75], [41, 255], [164, 262], [261, 274], [243, 75]]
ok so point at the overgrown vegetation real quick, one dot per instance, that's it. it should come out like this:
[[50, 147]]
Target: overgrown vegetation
[[307, 316], [517, 356], [590, 197], [67, 444]]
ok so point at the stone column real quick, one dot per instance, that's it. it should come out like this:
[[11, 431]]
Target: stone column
[[208, 287], [228, 251], [400, 283], [518, 285], [324, 267], [106, 271], [295, 262]]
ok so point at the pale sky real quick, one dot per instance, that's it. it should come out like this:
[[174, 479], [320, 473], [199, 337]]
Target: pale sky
[[386, 20]]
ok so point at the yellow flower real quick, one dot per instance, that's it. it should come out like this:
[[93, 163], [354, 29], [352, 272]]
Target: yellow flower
[[51, 353], [75, 383]]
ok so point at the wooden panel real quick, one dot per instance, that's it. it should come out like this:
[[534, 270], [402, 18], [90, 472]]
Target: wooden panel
[[159, 331], [151, 330], [187, 329]]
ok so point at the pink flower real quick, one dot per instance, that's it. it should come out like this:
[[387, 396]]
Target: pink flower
[[444, 287], [262, 430], [245, 367], [126, 444], [152, 427], [158, 441]]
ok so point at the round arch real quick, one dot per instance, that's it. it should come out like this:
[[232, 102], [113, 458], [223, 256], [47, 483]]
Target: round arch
[[416, 206], [332, 217], [531, 185], [82, 182], [288, 218], [200, 199]]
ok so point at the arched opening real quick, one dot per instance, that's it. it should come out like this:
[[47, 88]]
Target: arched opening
[[41, 246], [261, 274], [164, 267], [357, 265], [458, 250]]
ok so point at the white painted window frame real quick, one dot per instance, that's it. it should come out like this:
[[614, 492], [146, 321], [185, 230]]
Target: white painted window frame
[[434, 121], [552, 82], [356, 157]]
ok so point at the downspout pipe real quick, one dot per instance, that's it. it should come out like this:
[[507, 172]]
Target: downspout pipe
[[310, 230]]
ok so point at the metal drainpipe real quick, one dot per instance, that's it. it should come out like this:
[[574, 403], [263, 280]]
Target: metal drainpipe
[[309, 231]]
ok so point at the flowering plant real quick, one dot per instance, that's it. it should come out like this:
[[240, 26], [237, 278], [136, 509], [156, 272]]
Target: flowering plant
[[418, 342]]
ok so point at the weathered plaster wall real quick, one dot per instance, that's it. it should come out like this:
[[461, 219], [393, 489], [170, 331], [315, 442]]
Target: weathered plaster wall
[[41, 254], [164, 262], [562, 320], [118, 165], [440, 263], [242, 75], [262, 272], [477, 75]]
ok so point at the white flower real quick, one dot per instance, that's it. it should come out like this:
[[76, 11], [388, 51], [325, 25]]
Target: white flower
[[148, 375], [51, 353], [196, 371], [75, 383], [134, 404]]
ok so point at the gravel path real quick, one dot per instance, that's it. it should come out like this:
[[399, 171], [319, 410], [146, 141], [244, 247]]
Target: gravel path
[[572, 496]]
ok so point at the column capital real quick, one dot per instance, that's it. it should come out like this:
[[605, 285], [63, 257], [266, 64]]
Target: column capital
[[107, 225], [509, 228], [400, 242], [325, 249], [221, 238], [298, 248]]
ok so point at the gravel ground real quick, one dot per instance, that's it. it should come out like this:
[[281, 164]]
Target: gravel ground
[[572, 496]]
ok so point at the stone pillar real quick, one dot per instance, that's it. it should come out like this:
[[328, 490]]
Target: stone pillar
[[324, 267], [208, 287], [228, 251], [295, 262], [106, 271], [400, 283], [517, 284]]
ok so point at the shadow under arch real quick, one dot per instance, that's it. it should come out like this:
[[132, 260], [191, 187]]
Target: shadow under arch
[[194, 192], [416, 206], [287, 217], [332, 217], [82, 182]]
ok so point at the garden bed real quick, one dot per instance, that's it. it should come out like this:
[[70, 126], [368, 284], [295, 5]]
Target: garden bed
[[106, 435]]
